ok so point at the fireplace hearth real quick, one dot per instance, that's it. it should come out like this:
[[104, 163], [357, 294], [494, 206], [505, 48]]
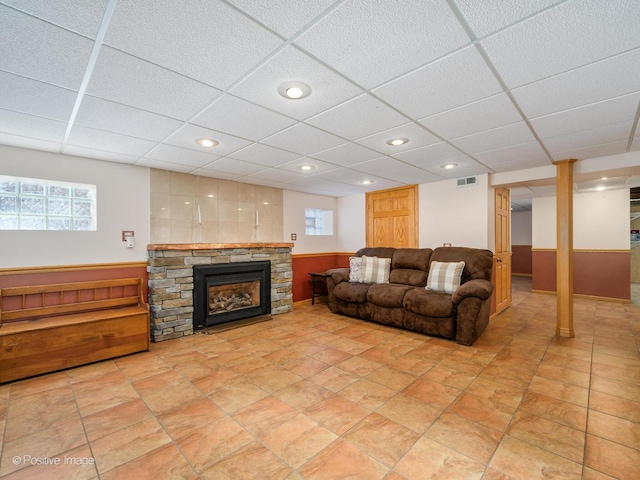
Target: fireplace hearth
[[228, 292]]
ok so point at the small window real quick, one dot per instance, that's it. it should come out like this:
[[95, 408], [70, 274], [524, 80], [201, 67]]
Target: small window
[[318, 222], [32, 204]]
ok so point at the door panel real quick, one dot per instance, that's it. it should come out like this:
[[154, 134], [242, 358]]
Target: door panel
[[392, 217], [503, 249]]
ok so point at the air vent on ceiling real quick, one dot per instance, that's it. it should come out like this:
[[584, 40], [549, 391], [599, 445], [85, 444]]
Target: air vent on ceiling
[[466, 181]]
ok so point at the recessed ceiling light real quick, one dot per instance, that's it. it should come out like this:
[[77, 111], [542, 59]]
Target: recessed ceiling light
[[265, 203], [604, 178], [206, 142], [449, 166], [367, 182], [599, 189], [210, 196], [294, 90], [307, 168], [187, 203], [397, 141]]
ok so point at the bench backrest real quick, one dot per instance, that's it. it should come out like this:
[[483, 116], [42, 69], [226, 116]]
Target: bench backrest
[[32, 302]]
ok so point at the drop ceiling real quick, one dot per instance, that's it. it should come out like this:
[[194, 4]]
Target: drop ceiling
[[491, 86]]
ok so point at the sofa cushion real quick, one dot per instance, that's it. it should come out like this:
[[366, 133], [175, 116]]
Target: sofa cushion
[[375, 270], [478, 262], [428, 303], [351, 292], [410, 266], [387, 294], [355, 269], [444, 276]]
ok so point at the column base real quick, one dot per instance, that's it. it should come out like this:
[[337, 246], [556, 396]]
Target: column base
[[565, 332]]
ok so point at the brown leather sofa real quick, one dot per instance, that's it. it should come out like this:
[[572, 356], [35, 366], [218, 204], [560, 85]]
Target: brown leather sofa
[[405, 302]]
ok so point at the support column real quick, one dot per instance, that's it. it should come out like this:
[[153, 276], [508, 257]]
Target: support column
[[564, 247]]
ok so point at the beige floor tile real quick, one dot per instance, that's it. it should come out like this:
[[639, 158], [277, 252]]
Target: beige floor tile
[[164, 462], [410, 412], [613, 428], [382, 438], [617, 406], [337, 414], [483, 411], [264, 415], [187, 417], [428, 459], [334, 378], [611, 458], [367, 394], [251, 462], [106, 422], [559, 411], [303, 395]]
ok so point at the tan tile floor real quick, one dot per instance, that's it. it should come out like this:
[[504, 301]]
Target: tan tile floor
[[319, 396]]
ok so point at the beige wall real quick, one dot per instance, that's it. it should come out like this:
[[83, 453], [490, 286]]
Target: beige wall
[[227, 210]]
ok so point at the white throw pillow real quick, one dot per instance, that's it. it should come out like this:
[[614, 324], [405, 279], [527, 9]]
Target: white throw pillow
[[355, 269], [375, 270], [444, 276]]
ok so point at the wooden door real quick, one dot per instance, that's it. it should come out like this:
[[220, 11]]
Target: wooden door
[[502, 253], [392, 217]]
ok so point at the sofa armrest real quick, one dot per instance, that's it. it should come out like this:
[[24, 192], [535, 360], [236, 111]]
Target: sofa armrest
[[339, 275], [481, 289]]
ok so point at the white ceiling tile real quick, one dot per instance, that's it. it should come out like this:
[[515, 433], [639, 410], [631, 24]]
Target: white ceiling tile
[[586, 118], [347, 154], [571, 35], [500, 137], [35, 98], [186, 138], [379, 166], [235, 167], [76, 15], [592, 151], [99, 154], [109, 142], [417, 135], [148, 162], [409, 175], [283, 16], [277, 175], [517, 193], [303, 139], [318, 166], [531, 151], [229, 114], [520, 164], [544, 190], [448, 83], [264, 155], [346, 175], [437, 154], [181, 156], [598, 135], [485, 114], [373, 41], [599, 81], [125, 79], [206, 172], [29, 142], [327, 88], [491, 15], [110, 116], [215, 44], [358, 117], [24, 125], [36, 49]]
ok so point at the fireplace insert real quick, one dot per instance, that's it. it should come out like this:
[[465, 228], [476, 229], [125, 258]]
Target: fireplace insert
[[231, 291]]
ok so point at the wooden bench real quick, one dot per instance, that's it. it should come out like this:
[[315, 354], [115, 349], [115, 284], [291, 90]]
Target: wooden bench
[[46, 328]]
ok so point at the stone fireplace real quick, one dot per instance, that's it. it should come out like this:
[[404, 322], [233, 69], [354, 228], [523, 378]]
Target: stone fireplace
[[172, 279], [224, 293]]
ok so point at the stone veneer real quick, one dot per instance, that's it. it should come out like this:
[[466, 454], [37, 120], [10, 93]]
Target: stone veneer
[[170, 270]]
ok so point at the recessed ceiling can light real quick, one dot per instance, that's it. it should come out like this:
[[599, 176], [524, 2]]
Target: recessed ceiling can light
[[294, 90], [396, 142], [367, 182], [449, 166], [307, 168], [206, 142], [600, 188]]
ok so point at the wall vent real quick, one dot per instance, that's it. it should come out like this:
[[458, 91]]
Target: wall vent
[[466, 181]]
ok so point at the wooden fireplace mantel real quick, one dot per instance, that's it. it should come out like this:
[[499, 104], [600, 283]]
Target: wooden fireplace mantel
[[214, 246]]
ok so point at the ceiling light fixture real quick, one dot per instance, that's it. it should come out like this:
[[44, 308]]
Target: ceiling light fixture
[[206, 142], [367, 182], [294, 90], [307, 168], [396, 142], [449, 166], [600, 188]]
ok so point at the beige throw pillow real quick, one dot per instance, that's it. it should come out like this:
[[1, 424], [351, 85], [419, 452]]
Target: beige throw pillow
[[375, 270], [444, 276], [355, 269]]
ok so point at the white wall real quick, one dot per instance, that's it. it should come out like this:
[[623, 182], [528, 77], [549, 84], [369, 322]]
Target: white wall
[[456, 215], [600, 221], [352, 229], [122, 204], [521, 228], [294, 204]]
